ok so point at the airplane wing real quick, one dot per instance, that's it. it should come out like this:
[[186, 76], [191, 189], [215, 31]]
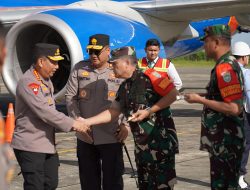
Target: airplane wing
[[191, 10], [179, 13]]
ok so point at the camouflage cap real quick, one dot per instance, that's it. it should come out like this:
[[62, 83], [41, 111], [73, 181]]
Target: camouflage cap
[[123, 51], [217, 30]]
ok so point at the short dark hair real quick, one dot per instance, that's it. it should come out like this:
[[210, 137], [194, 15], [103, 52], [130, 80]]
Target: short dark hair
[[152, 42]]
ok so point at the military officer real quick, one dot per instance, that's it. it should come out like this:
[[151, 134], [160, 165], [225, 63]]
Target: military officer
[[36, 120], [144, 98], [90, 89], [6, 152], [152, 60], [222, 133]]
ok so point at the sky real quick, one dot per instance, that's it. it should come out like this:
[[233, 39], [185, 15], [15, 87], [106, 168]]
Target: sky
[[245, 37]]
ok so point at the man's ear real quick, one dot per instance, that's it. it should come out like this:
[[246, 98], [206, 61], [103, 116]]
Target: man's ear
[[217, 41], [40, 62], [108, 49]]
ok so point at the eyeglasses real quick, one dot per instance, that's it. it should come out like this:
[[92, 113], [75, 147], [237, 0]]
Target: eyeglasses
[[94, 51]]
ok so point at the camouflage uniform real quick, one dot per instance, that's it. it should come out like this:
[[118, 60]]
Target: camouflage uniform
[[222, 135], [155, 138]]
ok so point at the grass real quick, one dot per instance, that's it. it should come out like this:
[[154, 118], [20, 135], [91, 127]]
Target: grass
[[178, 62]]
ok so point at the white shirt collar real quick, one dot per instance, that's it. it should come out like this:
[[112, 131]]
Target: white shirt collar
[[155, 60]]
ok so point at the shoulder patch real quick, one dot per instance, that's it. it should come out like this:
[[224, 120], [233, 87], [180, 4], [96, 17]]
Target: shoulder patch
[[161, 83], [226, 76], [228, 82], [34, 87]]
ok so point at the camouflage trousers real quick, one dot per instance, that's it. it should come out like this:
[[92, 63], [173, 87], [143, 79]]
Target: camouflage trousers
[[224, 169], [153, 175]]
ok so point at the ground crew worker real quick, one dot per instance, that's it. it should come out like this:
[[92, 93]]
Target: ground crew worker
[[36, 120], [90, 89], [222, 132], [241, 52], [144, 98], [6, 152], [152, 60]]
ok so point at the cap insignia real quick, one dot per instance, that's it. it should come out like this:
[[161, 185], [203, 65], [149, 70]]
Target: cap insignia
[[57, 52], [93, 41]]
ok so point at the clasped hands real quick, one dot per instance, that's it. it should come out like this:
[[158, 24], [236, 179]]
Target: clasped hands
[[81, 125], [85, 129]]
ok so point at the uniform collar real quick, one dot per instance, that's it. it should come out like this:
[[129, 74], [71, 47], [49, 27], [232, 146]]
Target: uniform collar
[[154, 61], [100, 71], [39, 78]]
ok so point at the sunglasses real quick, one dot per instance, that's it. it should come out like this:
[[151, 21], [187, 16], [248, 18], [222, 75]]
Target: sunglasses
[[94, 51]]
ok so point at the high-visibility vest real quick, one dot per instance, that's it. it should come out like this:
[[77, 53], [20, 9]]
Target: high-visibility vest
[[161, 65]]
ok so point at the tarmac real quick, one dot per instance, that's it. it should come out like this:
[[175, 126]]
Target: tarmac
[[192, 165]]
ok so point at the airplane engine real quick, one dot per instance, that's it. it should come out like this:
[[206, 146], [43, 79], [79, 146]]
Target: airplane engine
[[69, 28]]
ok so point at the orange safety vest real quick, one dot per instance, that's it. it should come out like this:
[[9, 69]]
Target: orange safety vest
[[160, 66]]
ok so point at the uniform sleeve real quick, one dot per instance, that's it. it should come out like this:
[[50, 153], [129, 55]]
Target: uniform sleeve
[[32, 96], [247, 88], [119, 101], [228, 83], [71, 95], [173, 74]]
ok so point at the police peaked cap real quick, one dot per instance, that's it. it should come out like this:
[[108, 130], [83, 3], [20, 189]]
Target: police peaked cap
[[50, 51], [98, 41]]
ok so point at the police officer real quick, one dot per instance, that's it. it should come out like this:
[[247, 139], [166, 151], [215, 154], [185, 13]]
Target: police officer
[[144, 98], [241, 52], [6, 152], [90, 89], [222, 132], [36, 120], [152, 60]]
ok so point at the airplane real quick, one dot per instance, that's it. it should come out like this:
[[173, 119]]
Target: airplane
[[178, 24]]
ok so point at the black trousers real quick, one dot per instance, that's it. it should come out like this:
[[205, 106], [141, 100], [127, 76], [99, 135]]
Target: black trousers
[[100, 166], [39, 170], [243, 170]]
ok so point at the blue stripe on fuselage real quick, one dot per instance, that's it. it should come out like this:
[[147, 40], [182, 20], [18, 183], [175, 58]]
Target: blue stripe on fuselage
[[34, 3]]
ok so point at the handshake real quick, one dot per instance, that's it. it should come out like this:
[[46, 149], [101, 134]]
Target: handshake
[[81, 125]]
